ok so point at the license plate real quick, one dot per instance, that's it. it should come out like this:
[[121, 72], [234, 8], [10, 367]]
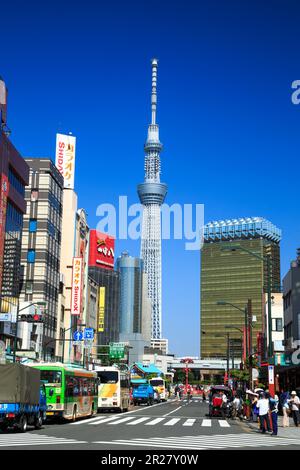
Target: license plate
[[50, 413]]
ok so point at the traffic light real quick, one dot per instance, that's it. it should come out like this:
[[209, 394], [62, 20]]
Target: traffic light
[[32, 318]]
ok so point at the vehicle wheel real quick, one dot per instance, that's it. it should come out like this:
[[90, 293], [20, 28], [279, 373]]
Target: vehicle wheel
[[23, 424], [74, 416], [38, 422]]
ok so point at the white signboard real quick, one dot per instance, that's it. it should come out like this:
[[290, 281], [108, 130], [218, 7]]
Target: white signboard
[[65, 158], [271, 375], [76, 286], [5, 316]]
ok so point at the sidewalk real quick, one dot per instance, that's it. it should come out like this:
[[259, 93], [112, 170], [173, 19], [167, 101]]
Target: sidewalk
[[290, 431]]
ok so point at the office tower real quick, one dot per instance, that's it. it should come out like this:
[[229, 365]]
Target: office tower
[[41, 249], [232, 276], [14, 175]]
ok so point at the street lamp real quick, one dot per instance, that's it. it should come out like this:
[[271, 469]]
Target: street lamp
[[228, 350], [245, 313], [238, 329], [266, 259]]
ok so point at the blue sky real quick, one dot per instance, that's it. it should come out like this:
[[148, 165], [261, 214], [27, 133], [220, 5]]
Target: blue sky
[[229, 128]]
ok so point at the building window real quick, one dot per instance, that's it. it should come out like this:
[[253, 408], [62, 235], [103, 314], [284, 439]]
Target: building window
[[277, 324], [34, 195], [31, 256], [29, 287], [32, 225]]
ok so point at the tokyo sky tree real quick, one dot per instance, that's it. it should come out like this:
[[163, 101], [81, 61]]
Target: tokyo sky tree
[[152, 194]]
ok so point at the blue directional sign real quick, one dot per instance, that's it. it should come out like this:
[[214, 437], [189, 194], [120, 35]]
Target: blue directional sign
[[78, 336], [89, 333]]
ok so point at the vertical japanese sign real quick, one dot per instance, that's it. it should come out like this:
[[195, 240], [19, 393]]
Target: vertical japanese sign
[[101, 311], [77, 282], [3, 203], [65, 158]]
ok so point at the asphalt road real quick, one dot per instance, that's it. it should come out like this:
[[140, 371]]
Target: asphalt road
[[176, 425]]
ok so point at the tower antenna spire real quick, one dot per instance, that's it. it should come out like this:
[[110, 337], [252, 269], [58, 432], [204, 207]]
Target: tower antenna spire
[[154, 63]]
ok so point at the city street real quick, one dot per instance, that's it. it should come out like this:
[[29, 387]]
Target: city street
[[172, 425]]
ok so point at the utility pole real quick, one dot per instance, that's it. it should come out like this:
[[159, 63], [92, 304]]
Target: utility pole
[[249, 321]]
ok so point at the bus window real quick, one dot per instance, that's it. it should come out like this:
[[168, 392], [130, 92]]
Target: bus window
[[108, 377], [51, 376]]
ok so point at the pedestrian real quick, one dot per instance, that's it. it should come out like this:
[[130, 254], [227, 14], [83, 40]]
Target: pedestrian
[[224, 405], [273, 402], [294, 404], [263, 407], [283, 400]]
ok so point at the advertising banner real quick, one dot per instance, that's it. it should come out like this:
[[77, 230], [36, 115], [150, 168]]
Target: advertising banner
[[77, 286], [102, 250], [101, 311], [4, 188], [65, 158]]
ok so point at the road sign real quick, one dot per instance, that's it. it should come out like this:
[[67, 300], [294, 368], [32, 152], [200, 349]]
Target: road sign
[[116, 350], [89, 333], [88, 343], [5, 316], [255, 374], [78, 336]]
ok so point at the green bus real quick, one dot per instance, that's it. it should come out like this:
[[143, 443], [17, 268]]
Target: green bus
[[71, 392]]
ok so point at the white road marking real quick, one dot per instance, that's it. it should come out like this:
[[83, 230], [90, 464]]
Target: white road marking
[[123, 420], [138, 421], [28, 439], [208, 442], [206, 423], [104, 420], [155, 421], [172, 422], [224, 424], [173, 411], [189, 422]]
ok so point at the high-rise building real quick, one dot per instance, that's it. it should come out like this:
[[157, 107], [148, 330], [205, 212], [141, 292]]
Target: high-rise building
[[101, 271], [74, 270], [232, 276], [14, 176], [131, 305], [152, 195], [41, 243], [108, 320], [131, 275], [291, 302]]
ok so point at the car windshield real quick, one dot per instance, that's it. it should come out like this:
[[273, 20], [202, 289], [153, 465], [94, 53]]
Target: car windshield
[[51, 376]]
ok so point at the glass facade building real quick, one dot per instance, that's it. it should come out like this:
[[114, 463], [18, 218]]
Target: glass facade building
[[131, 274], [234, 276]]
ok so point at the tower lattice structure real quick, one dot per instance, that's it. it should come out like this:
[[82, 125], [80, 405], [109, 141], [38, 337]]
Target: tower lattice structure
[[152, 195]]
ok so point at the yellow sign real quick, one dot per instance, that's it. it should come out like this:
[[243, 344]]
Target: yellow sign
[[101, 311]]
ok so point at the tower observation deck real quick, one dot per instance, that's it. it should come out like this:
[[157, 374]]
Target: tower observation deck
[[152, 195]]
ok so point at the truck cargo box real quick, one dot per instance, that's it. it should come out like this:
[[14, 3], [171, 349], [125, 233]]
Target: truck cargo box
[[19, 384]]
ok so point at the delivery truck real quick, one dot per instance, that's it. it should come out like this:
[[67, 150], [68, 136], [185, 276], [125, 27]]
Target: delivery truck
[[22, 397]]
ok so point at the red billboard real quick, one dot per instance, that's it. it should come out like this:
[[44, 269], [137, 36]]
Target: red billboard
[[102, 250]]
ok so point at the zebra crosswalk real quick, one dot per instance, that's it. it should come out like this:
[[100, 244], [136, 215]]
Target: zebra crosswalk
[[153, 421], [203, 442], [28, 439]]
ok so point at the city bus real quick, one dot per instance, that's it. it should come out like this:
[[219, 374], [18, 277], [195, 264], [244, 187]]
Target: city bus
[[113, 388], [71, 392], [159, 385]]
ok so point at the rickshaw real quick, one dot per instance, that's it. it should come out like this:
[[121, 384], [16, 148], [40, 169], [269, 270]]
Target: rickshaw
[[215, 401]]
